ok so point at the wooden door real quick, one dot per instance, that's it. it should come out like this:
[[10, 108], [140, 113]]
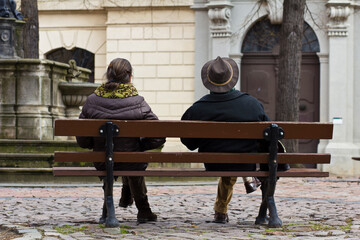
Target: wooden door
[[259, 68], [259, 79]]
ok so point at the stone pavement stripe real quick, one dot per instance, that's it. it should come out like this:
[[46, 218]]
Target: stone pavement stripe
[[309, 208]]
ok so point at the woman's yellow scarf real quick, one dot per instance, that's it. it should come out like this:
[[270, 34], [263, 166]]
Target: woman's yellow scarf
[[124, 90]]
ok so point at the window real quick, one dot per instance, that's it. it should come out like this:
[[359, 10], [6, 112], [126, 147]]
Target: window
[[263, 36]]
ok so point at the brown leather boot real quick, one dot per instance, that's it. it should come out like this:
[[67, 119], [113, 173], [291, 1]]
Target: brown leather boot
[[221, 217]]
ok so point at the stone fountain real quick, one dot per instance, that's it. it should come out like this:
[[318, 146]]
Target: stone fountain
[[33, 94]]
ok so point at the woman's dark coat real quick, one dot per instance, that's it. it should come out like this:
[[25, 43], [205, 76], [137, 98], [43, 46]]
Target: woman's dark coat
[[131, 108], [233, 106]]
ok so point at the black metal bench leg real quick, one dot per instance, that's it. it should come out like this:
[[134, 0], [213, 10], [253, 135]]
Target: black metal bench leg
[[272, 134], [109, 130], [108, 213], [274, 220], [104, 210], [262, 218], [111, 220]]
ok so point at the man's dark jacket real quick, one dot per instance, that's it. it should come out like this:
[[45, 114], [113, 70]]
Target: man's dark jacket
[[233, 106]]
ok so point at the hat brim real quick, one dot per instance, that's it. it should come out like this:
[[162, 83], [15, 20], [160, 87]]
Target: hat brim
[[223, 88]]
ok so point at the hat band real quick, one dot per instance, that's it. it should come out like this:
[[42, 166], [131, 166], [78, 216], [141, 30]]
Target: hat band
[[220, 84]]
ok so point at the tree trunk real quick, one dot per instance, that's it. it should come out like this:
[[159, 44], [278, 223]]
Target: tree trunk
[[29, 10], [287, 105]]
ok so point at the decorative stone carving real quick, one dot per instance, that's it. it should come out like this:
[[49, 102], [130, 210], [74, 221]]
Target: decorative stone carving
[[8, 10], [274, 9], [74, 95], [73, 71], [220, 24], [11, 40], [219, 14], [338, 12], [5, 35]]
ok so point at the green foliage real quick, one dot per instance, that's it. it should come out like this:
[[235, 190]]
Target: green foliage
[[125, 226], [323, 227], [66, 229], [124, 231]]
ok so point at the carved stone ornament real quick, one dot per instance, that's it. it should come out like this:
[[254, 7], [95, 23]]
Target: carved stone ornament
[[220, 18], [220, 22], [274, 9], [5, 36], [338, 12]]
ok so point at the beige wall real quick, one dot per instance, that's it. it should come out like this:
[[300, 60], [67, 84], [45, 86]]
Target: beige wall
[[158, 41], [160, 45], [156, 36]]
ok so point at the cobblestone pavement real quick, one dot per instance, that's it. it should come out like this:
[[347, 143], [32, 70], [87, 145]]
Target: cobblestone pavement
[[311, 208]]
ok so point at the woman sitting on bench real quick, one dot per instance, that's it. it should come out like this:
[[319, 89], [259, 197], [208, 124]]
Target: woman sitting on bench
[[119, 99]]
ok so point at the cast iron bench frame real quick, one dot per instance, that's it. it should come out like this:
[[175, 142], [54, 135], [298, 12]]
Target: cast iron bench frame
[[270, 131]]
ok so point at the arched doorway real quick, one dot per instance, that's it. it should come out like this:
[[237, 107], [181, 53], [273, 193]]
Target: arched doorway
[[259, 68], [82, 57]]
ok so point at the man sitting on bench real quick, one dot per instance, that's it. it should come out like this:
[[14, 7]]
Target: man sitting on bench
[[224, 104]]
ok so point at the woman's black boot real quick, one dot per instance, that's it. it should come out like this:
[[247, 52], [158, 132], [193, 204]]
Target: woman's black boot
[[126, 197], [144, 211]]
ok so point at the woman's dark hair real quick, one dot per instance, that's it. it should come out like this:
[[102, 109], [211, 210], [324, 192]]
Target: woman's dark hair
[[118, 71]]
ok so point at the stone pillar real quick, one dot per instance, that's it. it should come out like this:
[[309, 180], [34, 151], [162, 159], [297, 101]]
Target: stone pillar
[[202, 43], [7, 99], [220, 29], [33, 95], [324, 97], [58, 74], [341, 84], [237, 58]]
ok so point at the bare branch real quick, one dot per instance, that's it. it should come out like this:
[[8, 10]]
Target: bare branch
[[248, 19]]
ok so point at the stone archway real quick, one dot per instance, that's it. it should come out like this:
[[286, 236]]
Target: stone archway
[[259, 67]]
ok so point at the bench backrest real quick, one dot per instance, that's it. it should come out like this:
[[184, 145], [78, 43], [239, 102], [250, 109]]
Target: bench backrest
[[193, 129]]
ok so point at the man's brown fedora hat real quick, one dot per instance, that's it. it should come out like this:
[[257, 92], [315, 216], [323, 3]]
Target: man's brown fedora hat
[[220, 75]]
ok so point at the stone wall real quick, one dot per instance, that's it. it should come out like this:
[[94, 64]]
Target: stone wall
[[30, 99]]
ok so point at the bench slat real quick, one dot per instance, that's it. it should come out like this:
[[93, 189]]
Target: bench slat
[[193, 129], [90, 171], [188, 157]]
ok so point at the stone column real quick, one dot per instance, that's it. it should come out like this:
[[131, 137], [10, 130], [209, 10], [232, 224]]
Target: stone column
[[237, 58], [324, 97], [202, 44], [220, 28], [33, 96], [58, 74], [341, 84], [7, 99]]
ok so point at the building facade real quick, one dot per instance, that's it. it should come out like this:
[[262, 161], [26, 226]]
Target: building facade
[[168, 41]]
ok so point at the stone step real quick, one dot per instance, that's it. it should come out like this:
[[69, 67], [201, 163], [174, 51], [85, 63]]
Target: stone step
[[37, 146], [27, 156], [26, 160], [5, 170]]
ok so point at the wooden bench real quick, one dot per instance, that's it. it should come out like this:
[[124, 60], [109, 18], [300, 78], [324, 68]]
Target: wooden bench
[[270, 131]]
